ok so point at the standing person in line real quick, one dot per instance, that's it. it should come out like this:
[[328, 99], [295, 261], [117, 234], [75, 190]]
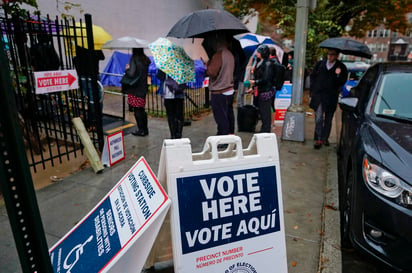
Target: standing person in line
[[136, 94], [326, 79], [239, 72], [273, 55], [289, 66], [220, 69], [264, 75], [87, 67], [173, 95]]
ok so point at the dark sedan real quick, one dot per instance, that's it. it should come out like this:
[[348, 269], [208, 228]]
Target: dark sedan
[[375, 165]]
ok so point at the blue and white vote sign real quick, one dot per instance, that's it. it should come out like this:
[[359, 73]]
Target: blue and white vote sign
[[283, 99], [115, 235], [227, 211]]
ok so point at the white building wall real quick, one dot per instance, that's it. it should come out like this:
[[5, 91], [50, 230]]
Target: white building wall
[[144, 19]]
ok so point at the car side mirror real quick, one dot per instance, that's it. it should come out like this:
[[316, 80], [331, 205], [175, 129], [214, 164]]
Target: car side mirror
[[348, 104]]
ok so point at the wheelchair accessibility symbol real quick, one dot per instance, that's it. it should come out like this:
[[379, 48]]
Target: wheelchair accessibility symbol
[[78, 250]]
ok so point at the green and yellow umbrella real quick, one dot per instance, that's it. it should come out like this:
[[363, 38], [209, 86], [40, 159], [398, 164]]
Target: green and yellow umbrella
[[173, 60]]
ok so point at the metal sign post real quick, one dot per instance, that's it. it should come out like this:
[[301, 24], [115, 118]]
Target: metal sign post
[[294, 125], [17, 185], [95, 87]]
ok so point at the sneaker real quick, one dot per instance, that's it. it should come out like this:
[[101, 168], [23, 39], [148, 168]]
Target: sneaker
[[326, 142], [317, 144]]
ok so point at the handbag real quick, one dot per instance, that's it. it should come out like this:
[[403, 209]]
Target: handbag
[[130, 81], [126, 80]]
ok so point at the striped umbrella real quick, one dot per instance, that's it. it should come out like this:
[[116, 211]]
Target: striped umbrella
[[251, 41]]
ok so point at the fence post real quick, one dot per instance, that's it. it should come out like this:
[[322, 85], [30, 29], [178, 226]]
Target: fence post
[[95, 87]]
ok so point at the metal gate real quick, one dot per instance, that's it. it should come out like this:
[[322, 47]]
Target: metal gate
[[48, 132]]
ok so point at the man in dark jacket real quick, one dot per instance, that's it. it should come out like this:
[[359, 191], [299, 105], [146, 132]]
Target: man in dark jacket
[[326, 79]]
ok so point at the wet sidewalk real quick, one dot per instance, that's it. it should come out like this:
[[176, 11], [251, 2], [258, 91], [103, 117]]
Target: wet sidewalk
[[308, 177]]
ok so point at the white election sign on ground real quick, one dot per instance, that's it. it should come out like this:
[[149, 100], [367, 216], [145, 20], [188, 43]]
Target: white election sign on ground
[[117, 235], [56, 80], [227, 211], [113, 149]]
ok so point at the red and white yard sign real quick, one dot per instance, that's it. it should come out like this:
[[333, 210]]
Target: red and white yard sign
[[54, 81]]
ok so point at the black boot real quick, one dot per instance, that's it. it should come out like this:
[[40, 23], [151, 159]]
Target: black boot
[[172, 127], [136, 116], [178, 128], [144, 129], [141, 120]]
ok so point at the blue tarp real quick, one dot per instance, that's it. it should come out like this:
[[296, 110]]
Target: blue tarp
[[114, 70]]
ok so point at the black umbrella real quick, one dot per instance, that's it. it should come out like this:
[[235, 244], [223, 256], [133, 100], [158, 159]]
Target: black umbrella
[[347, 46], [201, 22]]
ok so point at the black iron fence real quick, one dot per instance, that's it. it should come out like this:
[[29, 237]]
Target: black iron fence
[[37, 43], [195, 99]]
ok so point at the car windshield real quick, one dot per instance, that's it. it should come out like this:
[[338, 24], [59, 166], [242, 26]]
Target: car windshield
[[395, 96]]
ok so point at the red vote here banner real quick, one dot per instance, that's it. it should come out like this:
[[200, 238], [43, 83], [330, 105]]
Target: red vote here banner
[[55, 81]]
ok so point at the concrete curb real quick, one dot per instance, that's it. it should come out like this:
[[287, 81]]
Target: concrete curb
[[330, 256]]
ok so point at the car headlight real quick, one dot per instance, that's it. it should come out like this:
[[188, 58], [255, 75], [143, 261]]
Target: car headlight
[[387, 184]]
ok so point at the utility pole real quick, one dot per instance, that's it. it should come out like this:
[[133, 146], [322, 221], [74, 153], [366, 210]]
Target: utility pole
[[294, 125]]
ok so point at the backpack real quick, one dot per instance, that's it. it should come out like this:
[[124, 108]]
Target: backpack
[[278, 74]]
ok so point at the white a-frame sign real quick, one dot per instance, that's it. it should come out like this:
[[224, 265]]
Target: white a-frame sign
[[118, 234], [227, 211]]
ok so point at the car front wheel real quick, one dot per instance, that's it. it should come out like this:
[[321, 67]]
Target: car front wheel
[[346, 212]]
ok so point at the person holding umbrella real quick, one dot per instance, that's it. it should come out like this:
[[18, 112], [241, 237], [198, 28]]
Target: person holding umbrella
[[173, 95], [220, 69], [326, 79], [136, 70]]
